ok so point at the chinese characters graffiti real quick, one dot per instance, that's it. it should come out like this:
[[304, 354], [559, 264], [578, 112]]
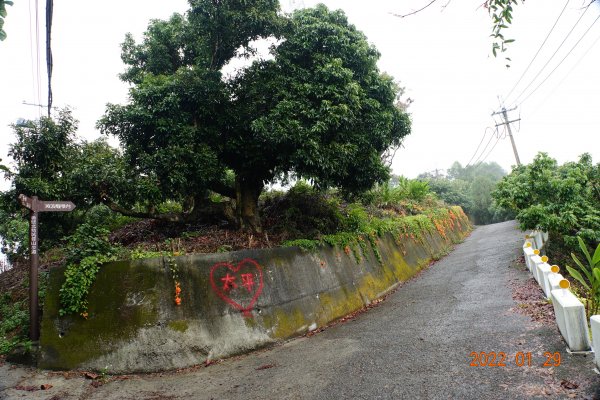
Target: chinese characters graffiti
[[239, 285]]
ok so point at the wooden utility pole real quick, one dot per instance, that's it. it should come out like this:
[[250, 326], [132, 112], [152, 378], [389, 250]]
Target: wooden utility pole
[[506, 122]]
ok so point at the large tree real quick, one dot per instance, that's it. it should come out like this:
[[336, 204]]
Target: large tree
[[317, 108]]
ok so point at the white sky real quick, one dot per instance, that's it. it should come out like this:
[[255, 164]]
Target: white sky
[[441, 55]]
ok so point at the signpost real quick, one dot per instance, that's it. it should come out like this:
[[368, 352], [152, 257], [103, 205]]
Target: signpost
[[36, 206]]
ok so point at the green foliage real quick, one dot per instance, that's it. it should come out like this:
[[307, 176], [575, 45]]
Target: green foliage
[[302, 212], [318, 109], [356, 219], [590, 279], [397, 191], [139, 253], [14, 233], [305, 244], [88, 248], [78, 281], [14, 323], [3, 13], [471, 188], [561, 200], [501, 13]]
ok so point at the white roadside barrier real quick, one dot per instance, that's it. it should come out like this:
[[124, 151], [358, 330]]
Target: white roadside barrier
[[570, 317], [595, 325], [527, 252], [543, 270], [534, 260], [539, 240], [554, 279]]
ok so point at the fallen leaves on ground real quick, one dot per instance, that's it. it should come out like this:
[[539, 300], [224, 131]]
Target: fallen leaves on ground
[[568, 384], [266, 366], [532, 302], [28, 388], [90, 375]]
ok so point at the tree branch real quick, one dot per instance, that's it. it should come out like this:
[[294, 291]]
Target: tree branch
[[415, 12]]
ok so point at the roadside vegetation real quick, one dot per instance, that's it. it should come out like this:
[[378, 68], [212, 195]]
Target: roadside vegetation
[[471, 188], [563, 200]]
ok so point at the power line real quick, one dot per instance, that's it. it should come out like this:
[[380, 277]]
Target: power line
[[564, 58], [538, 52], [552, 57], [31, 53], [37, 46], [489, 152], [478, 146], [485, 148], [566, 76]]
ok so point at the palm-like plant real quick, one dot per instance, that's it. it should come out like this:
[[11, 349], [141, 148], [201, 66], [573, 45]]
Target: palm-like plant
[[590, 278]]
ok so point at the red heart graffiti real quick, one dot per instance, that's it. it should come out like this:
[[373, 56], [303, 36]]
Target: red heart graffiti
[[238, 285]]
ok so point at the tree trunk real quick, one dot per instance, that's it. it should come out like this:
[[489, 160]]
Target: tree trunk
[[247, 192]]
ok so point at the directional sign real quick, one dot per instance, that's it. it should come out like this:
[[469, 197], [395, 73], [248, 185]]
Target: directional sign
[[55, 206], [26, 201], [44, 206], [36, 205]]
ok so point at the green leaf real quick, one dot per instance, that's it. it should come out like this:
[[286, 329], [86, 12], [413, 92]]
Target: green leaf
[[583, 248], [596, 273], [575, 274], [2, 11], [596, 258], [2, 34], [583, 268]]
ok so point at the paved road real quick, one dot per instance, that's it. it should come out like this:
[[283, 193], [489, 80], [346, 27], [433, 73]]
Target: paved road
[[415, 345]]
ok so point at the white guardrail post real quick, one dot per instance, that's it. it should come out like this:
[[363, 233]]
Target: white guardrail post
[[595, 325], [570, 317]]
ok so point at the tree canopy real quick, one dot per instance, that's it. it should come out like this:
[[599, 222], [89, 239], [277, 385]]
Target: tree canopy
[[471, 187], [3, 13], [317, 108], [562, 200]]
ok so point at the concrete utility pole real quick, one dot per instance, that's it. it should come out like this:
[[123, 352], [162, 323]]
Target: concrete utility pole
[[506, 122]]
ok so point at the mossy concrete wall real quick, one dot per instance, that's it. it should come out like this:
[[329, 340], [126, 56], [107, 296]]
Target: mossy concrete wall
[[230, 302]]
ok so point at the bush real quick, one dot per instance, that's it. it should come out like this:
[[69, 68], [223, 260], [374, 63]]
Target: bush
[[14, 323], [562, 200], [302, 212]]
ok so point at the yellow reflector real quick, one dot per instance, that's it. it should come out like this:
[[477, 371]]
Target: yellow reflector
[[536, 252], [564, 284], [544, 258], [528, 244], [555, 269]]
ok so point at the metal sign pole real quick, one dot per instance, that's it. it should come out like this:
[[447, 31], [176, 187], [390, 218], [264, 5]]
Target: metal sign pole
[[36, 206], [34, 331]]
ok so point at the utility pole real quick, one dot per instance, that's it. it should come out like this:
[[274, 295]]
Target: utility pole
[[506, 122]]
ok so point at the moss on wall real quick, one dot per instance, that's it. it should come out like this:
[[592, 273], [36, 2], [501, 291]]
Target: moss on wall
[[301, 291]]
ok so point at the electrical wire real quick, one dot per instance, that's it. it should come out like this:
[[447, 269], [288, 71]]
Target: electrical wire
[[478, 146], [538, 52], [31, 52], [37, 45], [486, 146], [552, 57], [492, 149], [566, 76], [564, 58]]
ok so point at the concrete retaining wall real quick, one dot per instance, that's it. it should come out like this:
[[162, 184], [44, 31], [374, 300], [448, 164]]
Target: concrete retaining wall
[[230, 302]]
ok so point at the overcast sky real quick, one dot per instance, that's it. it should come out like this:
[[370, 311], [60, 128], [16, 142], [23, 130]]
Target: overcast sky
[[441, 55]]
